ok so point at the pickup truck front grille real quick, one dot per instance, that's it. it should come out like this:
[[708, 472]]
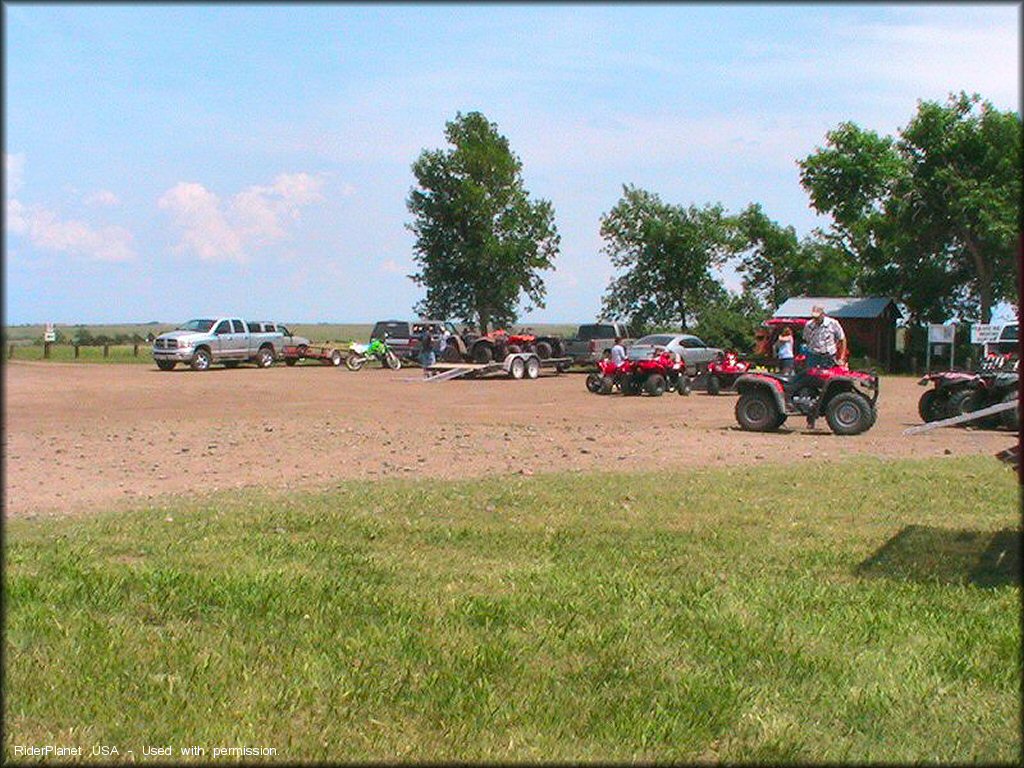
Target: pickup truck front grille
[[165, 344]]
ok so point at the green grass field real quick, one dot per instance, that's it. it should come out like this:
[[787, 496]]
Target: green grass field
[[869, 612]]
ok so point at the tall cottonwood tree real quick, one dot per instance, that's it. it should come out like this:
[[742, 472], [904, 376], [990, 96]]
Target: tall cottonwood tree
[[933, 215], [666, 253], [481, 242]]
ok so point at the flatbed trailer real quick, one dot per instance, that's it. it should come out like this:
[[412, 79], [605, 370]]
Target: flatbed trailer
[[519, 365], [328, 355]]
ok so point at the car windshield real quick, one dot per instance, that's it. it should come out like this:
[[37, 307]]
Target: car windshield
[[654, 341], [202, 326], [1010, 333]]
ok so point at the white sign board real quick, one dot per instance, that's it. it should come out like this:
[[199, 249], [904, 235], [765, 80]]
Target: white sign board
[[49, 334], [985, 333], [941, 334]]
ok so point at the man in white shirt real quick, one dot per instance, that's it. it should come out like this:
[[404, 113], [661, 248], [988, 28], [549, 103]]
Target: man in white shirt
[[826, 341], [618, 352]]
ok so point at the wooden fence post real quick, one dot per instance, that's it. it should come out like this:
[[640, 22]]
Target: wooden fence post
[[76, 351], [135, 351], [10, 352], [106, 350], [46, 350]]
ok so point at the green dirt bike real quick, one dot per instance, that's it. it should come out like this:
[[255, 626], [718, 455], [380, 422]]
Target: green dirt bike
[[378, 349]]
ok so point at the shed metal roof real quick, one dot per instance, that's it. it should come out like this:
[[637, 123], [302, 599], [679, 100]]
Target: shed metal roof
[[837, 306]]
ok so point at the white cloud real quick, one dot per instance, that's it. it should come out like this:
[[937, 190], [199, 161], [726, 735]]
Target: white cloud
[[102, 198], [256, 216], [47, 231], [14, 173], [392, 267]]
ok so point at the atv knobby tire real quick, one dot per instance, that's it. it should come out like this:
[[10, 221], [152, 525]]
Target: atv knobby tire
[[483, 353], [929, 407], [714, 385], [655, 385], [757, 412], [849, 413], [631, 386], [543, 350], [594, 383]]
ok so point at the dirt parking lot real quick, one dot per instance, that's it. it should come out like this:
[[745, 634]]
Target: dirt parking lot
[[85, 437]]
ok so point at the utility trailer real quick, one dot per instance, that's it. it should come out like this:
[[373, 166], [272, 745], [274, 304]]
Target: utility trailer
[[327, 355], [518, 365]]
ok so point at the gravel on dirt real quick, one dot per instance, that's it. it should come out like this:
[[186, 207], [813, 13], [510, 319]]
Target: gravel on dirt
[[79, 438]]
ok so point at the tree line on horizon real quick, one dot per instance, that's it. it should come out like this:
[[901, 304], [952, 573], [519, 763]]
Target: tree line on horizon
[[930, 217]]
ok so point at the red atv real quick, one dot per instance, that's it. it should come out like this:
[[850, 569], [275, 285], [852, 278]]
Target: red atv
[[958, 392], [655, 376], [724, 371], [499, 344], [846, 398]]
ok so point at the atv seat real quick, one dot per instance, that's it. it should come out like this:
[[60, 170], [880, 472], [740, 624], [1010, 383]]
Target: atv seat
[[785, 378]]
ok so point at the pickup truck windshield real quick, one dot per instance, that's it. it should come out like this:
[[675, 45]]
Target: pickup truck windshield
[[202, 326]]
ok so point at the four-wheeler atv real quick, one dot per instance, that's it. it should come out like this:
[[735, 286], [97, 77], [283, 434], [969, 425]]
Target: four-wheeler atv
[[654, 375], [724, 371], [958, 392], [499, 344], [846, 398]]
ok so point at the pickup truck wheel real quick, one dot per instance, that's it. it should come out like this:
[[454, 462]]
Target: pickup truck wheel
[[165, 365], [201, 359], [265, 357]]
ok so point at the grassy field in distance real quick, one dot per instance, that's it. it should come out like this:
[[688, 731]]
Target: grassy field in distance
[[716, 615]]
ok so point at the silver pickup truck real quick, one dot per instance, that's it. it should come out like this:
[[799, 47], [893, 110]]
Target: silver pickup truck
[[228, 340]]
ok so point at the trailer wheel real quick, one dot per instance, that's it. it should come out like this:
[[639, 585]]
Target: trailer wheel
[[655, 385], [290, 361], [543, 350], [336, 358], [517, 368], [594, 383], [714, 385], [532, 368]]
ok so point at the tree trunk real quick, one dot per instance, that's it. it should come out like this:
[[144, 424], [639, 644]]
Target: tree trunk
[[984, 272]]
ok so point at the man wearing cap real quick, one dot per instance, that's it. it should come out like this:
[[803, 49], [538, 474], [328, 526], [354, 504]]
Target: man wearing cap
[[826, 342]]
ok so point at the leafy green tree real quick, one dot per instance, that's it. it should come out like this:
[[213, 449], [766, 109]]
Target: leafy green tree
[[666, 253], [776, 265], [729, 320], [933, 217], [481, 243]]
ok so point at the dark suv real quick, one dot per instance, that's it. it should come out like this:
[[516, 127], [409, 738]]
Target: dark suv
[[403, 335]]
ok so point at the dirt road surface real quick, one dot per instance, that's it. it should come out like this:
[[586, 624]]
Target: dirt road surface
[[81, 437]]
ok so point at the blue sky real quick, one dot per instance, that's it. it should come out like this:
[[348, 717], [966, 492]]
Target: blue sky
[[164, 162]]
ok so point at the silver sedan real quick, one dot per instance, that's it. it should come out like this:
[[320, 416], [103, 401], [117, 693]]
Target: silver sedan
[[694, 352]]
